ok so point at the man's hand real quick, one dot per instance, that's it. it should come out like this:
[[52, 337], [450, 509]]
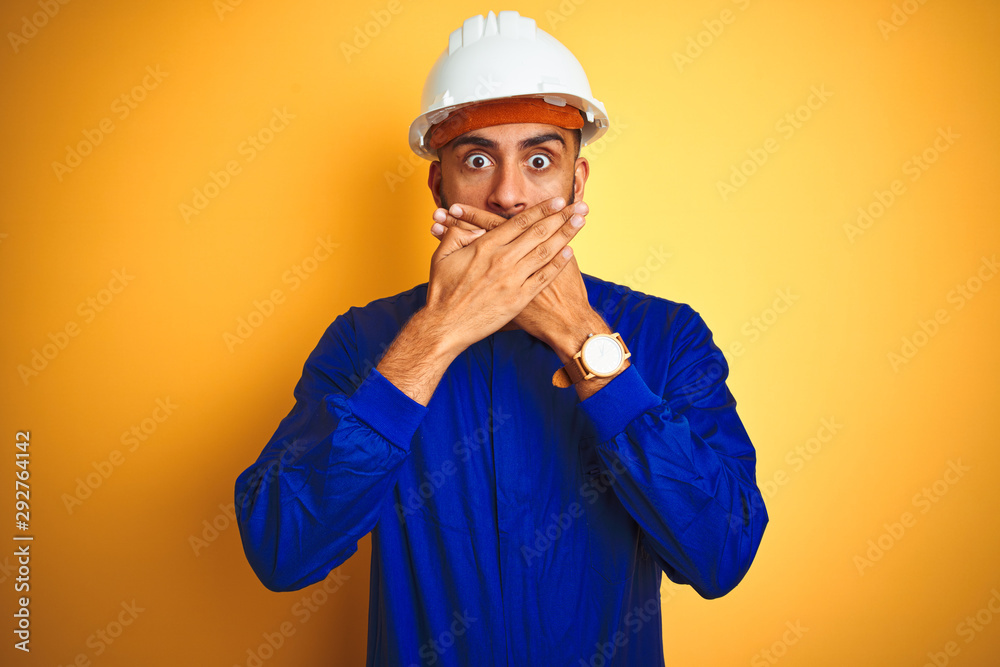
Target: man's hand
[[482, 281], [560, 315], [478, 283]]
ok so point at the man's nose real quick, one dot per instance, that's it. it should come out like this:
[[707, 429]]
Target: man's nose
[[509, 196]]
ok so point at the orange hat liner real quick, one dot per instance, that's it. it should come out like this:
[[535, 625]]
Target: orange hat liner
[[501, 112]]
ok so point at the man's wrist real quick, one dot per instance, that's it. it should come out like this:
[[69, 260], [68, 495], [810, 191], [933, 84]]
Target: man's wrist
[[437, 334], [571, 339]]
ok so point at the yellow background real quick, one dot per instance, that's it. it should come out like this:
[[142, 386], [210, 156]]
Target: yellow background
[[678, 128]]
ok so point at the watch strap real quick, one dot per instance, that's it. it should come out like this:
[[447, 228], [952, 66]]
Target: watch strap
[[569, 374]]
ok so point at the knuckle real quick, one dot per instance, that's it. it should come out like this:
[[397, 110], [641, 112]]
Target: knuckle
[[543, 252]]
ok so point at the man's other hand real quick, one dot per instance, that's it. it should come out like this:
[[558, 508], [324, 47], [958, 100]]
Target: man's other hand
[[560, 315], [481, 280]]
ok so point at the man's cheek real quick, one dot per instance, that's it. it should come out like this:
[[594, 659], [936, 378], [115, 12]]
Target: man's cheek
[[445, 204]]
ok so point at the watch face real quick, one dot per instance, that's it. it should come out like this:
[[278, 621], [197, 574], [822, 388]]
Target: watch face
[[602, 355]]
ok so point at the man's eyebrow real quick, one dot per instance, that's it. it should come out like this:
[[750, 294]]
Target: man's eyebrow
[[541, 139], [475, 141], [530, 142]]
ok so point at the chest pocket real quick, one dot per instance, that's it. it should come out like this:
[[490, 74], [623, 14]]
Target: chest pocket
[[612, 533]]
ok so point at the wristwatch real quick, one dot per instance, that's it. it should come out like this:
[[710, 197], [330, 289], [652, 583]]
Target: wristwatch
[[602, 355]]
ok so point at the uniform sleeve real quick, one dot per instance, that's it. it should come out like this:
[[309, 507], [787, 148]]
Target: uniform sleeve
[[686, 464], [318, 485]]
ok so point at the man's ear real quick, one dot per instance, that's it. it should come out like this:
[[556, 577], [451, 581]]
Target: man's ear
[[581, 171], [434, 182]]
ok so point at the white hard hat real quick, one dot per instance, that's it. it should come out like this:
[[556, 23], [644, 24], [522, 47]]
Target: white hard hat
[[500, 56]]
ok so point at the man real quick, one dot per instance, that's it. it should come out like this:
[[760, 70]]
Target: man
[[514, 520]]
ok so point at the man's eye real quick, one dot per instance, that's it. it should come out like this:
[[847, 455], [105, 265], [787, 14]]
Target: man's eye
[[540, 161], [478, 161]]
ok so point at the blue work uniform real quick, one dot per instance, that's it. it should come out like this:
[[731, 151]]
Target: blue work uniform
[[512, 524]]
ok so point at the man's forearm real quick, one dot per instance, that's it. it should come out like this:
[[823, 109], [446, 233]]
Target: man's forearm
[[418, 356]]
